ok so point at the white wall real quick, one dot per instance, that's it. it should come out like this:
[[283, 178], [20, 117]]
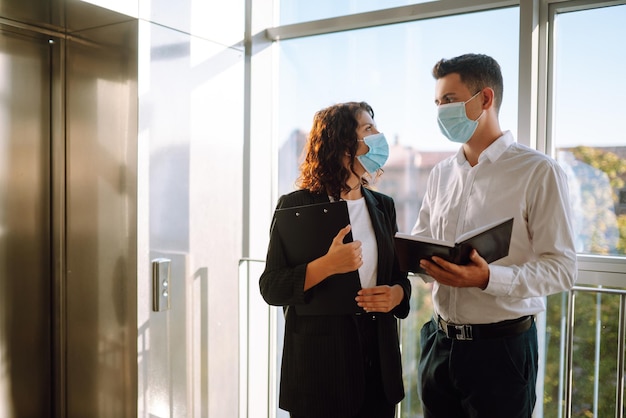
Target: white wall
[[190, 182]]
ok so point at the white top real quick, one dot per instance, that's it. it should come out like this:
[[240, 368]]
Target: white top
[[510, 179], [363, 231]]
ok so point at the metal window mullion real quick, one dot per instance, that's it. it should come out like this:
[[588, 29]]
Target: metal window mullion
[[619, 396], [569, 346], [273, 377], [244, 337], [562, 352], [596, 363]]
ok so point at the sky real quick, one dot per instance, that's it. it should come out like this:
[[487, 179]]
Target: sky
[[590, 79], [389, 67]]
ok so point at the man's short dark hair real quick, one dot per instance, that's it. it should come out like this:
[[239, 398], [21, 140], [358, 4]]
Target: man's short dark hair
[[477, 71]]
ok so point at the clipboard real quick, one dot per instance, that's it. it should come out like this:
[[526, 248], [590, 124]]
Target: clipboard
[[306, 233]]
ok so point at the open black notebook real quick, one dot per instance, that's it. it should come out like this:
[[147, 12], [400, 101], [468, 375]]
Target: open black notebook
[[306, 233], [491, 241]]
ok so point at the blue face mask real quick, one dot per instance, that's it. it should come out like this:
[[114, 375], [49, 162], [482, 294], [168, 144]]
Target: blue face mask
[[376, 157], [454, 123]]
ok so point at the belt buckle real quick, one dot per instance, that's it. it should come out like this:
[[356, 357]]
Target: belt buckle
[[460, 332]]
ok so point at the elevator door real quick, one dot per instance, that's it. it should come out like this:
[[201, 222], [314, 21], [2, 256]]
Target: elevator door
[[25, 225]]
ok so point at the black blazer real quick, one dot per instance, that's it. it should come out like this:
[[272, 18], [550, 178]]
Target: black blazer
[[322, 372]]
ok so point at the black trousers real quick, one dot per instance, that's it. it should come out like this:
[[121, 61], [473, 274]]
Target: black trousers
[[488, 378], [375, 403]]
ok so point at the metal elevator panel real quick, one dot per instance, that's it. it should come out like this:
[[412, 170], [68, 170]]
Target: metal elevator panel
[[25, 225], [101, 282], [68, 270]]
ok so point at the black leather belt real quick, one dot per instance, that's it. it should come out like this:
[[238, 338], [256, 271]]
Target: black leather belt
[[483, 331]]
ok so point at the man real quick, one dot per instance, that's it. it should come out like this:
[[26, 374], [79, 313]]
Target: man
[[479, 353]]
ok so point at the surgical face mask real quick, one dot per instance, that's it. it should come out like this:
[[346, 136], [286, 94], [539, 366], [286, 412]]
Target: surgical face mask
[[454, 123], [376, 157]]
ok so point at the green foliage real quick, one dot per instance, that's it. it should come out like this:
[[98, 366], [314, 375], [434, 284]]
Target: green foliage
[[421, 312], [594, 364], [621, 224], [610, 163], [598, 176]]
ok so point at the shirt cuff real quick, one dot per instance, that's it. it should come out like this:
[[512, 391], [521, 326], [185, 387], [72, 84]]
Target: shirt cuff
[[500, 280]]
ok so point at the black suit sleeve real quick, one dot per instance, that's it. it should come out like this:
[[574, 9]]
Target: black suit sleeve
[[281, 285]]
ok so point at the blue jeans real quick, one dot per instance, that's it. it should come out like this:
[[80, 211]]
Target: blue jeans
[[488, 378]]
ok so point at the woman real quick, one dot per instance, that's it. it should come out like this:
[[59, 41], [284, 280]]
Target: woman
[[343, 366]]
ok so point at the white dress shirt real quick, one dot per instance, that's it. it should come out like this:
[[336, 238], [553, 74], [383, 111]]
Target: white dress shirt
[[510, 180]]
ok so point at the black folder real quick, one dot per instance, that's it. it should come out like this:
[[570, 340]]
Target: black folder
[[306, 233], [491, 241]]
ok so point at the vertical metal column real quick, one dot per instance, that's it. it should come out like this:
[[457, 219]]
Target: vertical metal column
[[619, 396], [569, 336]]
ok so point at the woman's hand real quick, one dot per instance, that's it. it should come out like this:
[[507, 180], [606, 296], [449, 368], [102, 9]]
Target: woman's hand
[[340, 258], [380, 298], [344, 258]]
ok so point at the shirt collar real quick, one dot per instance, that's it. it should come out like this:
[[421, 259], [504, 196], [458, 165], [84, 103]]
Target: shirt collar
[[492, 152]]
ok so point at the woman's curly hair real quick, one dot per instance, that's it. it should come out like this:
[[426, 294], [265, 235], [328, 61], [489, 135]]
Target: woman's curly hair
[[332, 136]]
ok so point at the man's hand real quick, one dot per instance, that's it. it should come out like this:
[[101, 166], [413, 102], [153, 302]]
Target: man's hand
[[474, 274]]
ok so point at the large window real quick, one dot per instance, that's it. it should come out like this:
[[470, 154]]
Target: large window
[[576, 79], [390, 68], [304, 11], [590, 142], [590, 145]]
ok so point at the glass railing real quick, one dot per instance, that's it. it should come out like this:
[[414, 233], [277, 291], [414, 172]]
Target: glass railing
[[581, 337], [593, 354]]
